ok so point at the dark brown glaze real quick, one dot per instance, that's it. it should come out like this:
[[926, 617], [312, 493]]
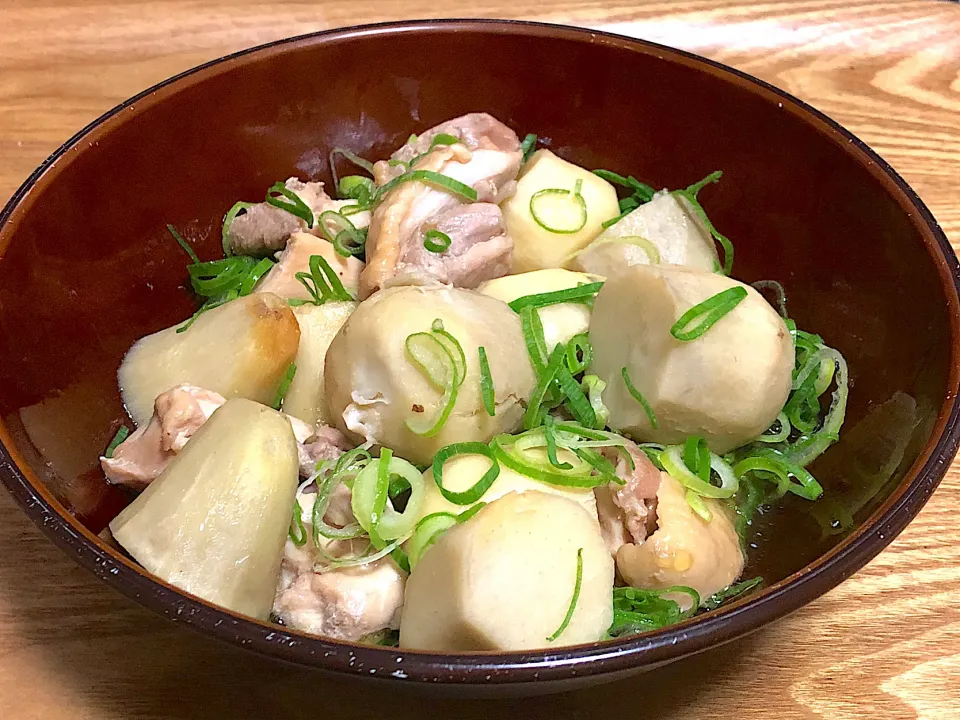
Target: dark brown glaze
[[87, 267]]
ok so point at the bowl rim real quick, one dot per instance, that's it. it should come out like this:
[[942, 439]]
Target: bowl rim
[[611, 657]]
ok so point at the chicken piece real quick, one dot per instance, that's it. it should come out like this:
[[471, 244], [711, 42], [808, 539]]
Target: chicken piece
[[322, 443], [475, 131], [343, 603], [685, 549], [628, 512], [263, 229], [480, 249], [178, 414], [295, 258], [487, 160]]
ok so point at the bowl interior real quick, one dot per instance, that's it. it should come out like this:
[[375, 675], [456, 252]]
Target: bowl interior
[[87, 266]]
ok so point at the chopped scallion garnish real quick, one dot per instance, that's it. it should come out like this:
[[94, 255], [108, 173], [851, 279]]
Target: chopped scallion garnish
[[731, 592], [183, 243], [486, 384], [122, 433], [476, 491], [573, 600], [444, 182], [440, 357], [232, 214], [549, 197], [284, 386], [322, 282], [346, 238], [352, 157], [703, 316], [357, 187], [528, 146], [636, 611], [690, 195], [280, 196], [638, 396], [579, 353], [436, 241], [297, 532], [581, 293]]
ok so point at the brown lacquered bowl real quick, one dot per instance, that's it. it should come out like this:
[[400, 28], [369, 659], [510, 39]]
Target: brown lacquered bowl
[[87, 267]]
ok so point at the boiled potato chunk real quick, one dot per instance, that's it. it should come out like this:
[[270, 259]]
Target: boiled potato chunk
[[463, 471], [560, 322], [240, 349], [319, 324], [685, 549], [215, 522], [504, 580], [535, 247], [373, 388], [665, 230], [728, 385]]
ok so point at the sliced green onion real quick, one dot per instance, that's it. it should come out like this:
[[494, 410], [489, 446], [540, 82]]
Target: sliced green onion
[[476, 491], [322, 282], [690, 195], [580, 293], [512, 456], [547, 195], [593, 386], [550, 436], [297, 532], [696, 456], [673, 462], [443, 349], [216, 277], [123, 432], [486, 384], [576, 402], [573, 600], [293, 203], [579, 353], [228, 219], [346, 239], [638, 396], [436, 241], [641, 242], [284, 386], [426, 533], [769, 462], [775, 436], [357, 187], [528, 146], [254, 274], [329, 476], [432, 358], [730, 592], [395, 524], [532, 330], [533, 415], [779, 293], [183, 243], [352, 157], [444, 182], [636, 611], [703, 316]]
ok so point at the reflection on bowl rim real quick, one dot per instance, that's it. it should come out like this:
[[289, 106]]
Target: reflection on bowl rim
[[613, 657]]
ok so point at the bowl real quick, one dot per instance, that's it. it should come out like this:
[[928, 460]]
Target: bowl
[[87, 267]]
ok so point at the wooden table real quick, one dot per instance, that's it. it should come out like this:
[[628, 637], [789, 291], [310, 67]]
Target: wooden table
[[886, 644]]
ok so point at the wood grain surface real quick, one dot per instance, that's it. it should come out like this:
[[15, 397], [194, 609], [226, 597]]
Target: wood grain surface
[[886, 644]]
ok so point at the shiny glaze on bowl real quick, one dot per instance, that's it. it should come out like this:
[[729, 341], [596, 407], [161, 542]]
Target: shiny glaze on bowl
[[86, 268]]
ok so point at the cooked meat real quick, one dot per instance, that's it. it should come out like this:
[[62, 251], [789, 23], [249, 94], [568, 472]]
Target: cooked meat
[[178, 414], [628, 512], [263, 229], [475, 130], [322, 443], [487, 160], [480, 248], [295, 258], [343, 603]]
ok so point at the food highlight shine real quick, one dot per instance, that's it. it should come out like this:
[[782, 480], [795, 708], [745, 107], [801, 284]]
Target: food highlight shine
[[527, 402]]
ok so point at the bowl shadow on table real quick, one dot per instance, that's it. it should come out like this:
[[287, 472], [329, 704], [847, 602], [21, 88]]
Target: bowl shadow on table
[[127, 663]]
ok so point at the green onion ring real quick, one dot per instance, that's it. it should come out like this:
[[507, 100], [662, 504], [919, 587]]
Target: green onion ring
[[702, 316], [577, 198], [228, 219], [638, 396], [123, 432], [296, 206], [436, 241], [487, 391], [672, 460], [478, 489], [580, 293], [573, 600], [444, 182]]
